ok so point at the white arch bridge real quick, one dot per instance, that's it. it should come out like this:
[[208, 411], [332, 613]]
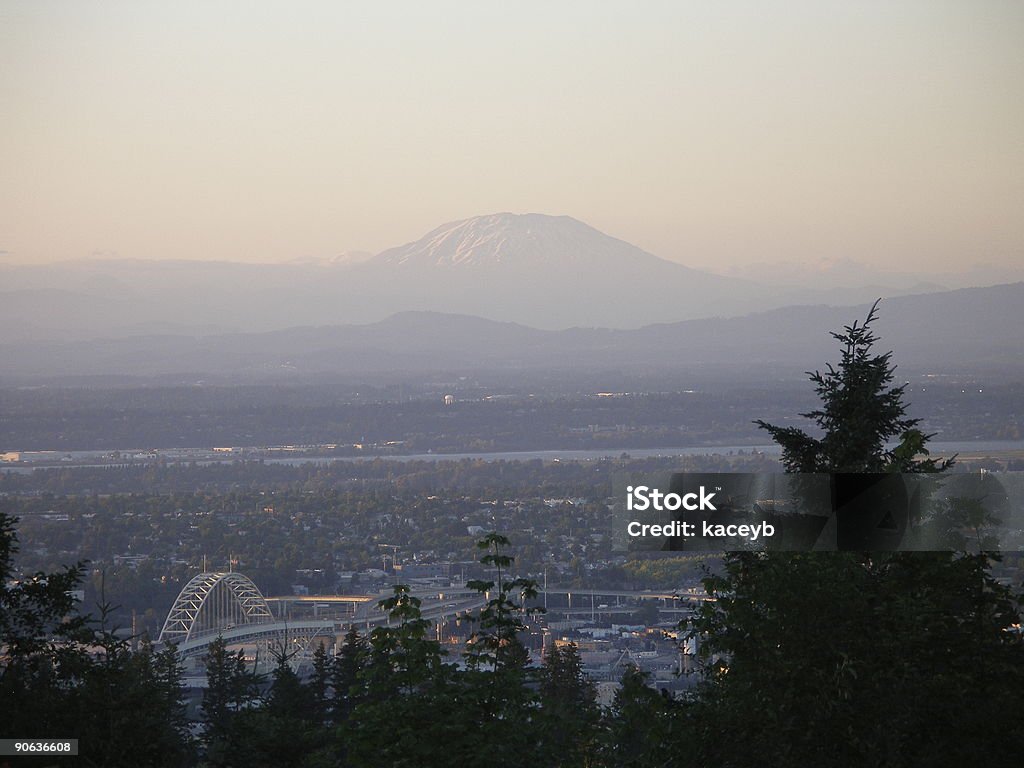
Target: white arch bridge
[[228, 605]]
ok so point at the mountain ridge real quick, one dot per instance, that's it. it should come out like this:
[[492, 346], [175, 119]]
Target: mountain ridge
[[962, 329]]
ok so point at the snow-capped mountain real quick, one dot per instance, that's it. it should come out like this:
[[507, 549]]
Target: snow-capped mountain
[[532, 239], [549, 272]]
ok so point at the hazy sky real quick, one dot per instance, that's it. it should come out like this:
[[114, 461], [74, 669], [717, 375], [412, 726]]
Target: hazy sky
[[710, 133]]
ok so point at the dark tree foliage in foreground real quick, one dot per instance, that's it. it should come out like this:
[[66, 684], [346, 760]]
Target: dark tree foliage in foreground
[[65, 676], [567, 698], [846, 658], [641, 728]]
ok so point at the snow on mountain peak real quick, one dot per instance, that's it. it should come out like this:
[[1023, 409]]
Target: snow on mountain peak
[[512, 239]]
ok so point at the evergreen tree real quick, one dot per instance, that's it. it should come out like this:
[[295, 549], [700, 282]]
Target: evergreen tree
[[231, 687], [62, 673], [407, 711], [319, 684], [638, 731], [282, 731], [37, 615], [496, 644], [497, 686], [344, 672], [854, 658], [860, 413], [569, 709], [128, 706]]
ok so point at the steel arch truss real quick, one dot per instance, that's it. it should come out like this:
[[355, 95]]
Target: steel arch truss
[[212, 602]]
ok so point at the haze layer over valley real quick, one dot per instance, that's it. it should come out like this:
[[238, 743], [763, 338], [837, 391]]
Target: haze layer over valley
[[548, 272], [975, 328]]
